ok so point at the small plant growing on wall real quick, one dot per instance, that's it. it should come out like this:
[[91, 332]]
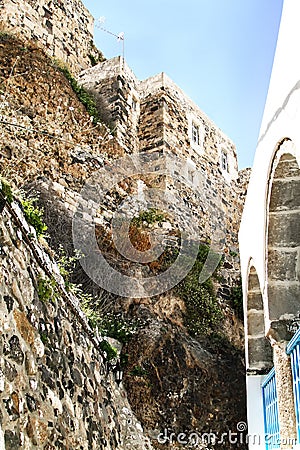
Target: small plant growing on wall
[[4, 33], [138, 371], [6, 190], [83, 96], [236, 296], [34, 216], [110, 351], [118, 327], [149, 216], [46, 289], [66, 264], [92, 306]]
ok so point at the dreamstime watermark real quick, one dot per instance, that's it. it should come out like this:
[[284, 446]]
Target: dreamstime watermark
[[207, 440], [170, 200]]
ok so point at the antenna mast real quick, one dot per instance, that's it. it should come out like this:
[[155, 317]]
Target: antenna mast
[[120, 37]]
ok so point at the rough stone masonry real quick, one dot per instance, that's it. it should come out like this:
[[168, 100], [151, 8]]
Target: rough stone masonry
[[54, 388], [64, 28]]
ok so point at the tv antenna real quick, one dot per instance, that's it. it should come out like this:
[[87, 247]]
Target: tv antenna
[[120, 37]]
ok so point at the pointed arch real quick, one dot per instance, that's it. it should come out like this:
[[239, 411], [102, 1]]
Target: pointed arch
[[283, 241], [259, 351]]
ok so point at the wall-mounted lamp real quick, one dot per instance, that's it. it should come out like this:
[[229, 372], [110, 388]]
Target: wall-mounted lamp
[[118, 372], [2, 204]]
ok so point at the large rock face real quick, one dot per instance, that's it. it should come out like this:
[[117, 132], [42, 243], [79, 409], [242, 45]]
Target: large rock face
[[177, 384]]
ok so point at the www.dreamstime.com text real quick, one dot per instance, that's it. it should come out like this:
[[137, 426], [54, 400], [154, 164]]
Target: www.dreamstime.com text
[[208, 440]]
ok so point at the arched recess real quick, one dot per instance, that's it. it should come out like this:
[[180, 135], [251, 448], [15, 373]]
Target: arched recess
[[283, 243], [259, 349]]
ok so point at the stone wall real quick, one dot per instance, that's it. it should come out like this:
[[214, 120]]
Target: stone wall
[[54, 388], [45, 130], [117, 85], [215, 220], [63, 27], [180, 113]]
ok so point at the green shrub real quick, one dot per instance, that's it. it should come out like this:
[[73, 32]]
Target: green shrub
[[34, 216], [116, 326], [44, 337], [5, 36], [93, 60], [111, 352], [86, 301], [203, 312], [237, 299], [82, 94], [66, 265], [149, 216], [46, 288], [6, 190], [138, 371]]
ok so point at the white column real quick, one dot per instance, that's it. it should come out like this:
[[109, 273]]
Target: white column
[[256, 432]]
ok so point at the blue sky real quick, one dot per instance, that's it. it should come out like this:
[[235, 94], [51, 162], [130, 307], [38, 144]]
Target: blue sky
[[220, 52]]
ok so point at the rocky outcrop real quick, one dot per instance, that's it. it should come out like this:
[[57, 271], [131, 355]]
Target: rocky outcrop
[[45, 129], [178, 384]]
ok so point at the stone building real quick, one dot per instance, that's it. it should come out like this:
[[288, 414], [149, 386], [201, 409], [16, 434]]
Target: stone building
[[64, 28], [156, 115], [269, 246]]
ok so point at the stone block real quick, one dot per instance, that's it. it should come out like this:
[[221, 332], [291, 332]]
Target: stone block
[[28, 23], [282, 265], [285, 195], [13, 350], [25, 329], [283, 299], [75, 16], [254, 301], [281, 330], [260, 353], [12, 440], [284, 230], [256, 323], [287, 167]]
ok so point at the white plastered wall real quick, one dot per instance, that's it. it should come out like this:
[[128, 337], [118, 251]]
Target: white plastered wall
[[281, 121]]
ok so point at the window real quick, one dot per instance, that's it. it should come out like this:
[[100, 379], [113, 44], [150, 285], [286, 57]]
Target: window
[[224, 161], [195, 134]]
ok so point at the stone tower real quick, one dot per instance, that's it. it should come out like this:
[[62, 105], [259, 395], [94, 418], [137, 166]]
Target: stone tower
[[156, 115]]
